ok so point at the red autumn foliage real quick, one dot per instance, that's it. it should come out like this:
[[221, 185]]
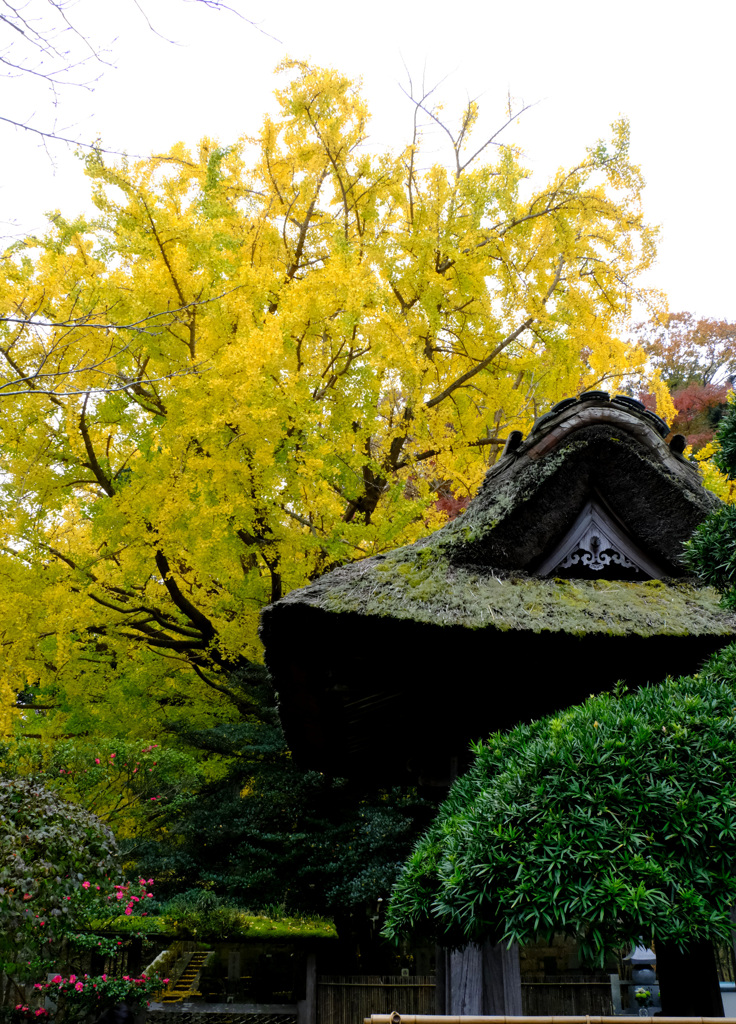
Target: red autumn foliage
[[450, 505], [688, 350], [697, 359]]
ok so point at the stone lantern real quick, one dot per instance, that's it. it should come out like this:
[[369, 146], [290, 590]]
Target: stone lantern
[[643, 977]]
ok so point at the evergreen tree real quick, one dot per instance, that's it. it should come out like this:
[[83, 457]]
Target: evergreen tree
[[608, 822]]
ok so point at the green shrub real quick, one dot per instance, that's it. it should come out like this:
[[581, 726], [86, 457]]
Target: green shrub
[[201, 914], [607, 822]]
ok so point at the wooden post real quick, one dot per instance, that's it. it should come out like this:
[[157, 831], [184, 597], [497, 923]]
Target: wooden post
[[465, 981], [135, 956], [233, 969], [440, 979], [310, 1015], [501, 980], [479, 980]]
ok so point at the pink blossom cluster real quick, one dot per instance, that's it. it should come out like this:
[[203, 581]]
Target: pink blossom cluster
[[122, 892], [144, 750], [143, 979], [72, 981], [40, 1012], [111, 761]]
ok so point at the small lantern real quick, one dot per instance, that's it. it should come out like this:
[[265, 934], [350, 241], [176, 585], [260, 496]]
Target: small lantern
[[644, 990]]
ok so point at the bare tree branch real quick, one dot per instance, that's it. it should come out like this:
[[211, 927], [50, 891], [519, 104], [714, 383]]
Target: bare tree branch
[[458, 141], [49, 45], [85, 321]]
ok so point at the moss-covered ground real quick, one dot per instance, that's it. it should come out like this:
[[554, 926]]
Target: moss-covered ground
[[252, 926]]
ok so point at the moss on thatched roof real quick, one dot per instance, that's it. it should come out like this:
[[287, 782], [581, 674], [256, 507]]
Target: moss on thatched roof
[[432, 590]]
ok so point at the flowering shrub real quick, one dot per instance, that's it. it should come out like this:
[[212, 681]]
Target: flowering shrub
[[56, 863], [47, 849], [84, 997]]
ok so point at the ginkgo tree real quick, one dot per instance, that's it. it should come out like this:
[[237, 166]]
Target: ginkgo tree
[[259, 361]]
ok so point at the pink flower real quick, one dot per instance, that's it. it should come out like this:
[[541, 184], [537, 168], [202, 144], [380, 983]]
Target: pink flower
[[166, 981], [57, 979], [128, 910], [72, 978], [79, 986], [97, 760], [104, 977], [85, 885]]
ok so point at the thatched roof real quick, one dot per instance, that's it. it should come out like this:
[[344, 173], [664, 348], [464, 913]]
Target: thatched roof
[[438, 593], [497, 594]]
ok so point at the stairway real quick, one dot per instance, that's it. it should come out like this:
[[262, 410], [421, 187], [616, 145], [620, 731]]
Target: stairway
[[183, 989]]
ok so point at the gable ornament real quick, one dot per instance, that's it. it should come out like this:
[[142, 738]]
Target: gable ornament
[[597, 544]]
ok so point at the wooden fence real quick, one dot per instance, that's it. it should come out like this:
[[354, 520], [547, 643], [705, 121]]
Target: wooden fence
[[566, 995], [348, 999], [351, 999]]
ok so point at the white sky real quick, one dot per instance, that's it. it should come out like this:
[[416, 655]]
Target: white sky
[[666, 64]]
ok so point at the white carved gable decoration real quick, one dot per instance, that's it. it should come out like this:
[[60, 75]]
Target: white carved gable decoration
[[596, 543]]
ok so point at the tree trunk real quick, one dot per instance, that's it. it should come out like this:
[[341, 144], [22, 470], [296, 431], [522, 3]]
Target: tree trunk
[[688, 981]]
